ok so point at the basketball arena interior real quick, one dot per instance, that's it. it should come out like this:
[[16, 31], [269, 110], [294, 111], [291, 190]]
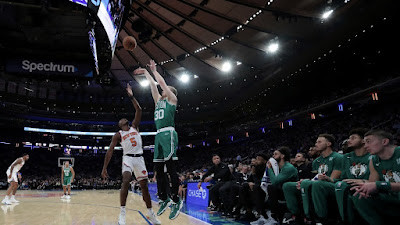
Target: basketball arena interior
[[276, 112]]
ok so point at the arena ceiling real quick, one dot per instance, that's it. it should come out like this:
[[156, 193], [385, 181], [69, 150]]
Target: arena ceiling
[[196, 37]]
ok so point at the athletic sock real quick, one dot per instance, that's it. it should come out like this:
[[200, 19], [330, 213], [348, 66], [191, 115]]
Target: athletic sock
[[123, 209], [175, 198], [150, 210]]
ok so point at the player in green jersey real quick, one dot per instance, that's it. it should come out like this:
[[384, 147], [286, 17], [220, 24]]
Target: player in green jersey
[[378, 200], [67, 177], [327, 166], [166, 140], [355, 170]]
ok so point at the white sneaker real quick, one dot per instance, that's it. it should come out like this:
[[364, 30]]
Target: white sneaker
[[121, 219], [260, 221], [271, 220], [6, 202], [68, 197], [63, 197], [153, 218], [13, 200]]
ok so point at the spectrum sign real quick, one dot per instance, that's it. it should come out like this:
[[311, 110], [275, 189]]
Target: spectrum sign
[[47, 67]]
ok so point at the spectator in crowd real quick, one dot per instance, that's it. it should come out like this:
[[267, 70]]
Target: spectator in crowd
[[183, 186], [303, 168], [252, 190], [240, 178], [196, 176], [313, 153]]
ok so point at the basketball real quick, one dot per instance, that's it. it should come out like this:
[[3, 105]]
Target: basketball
[[129, 43]]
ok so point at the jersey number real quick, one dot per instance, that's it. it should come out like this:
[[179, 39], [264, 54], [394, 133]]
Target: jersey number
[[134, 143], [159, 114]]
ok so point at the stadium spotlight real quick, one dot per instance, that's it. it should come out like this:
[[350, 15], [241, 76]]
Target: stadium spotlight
[[184, 78], [273, 47], [326, 14], [227, 66], [144, 83]]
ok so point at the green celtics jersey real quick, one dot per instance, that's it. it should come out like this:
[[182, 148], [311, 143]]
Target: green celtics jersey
[[388, 170], [328, 164], [164, 115], [355, 167], [67, 172]]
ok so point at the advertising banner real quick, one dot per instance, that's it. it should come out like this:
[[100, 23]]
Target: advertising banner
[[197, 196], [48, 67]]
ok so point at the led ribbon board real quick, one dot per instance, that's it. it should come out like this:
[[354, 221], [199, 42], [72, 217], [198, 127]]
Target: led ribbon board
[[53, 131]]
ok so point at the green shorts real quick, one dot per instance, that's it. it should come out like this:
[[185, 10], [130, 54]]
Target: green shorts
[[67, 181], [166, 145]]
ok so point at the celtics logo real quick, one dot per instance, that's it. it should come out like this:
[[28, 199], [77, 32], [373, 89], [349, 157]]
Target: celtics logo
[[358, 170], [391, 176], [322, 169]]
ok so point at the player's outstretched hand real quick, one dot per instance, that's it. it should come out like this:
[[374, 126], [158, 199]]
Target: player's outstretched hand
[[140, 71], [152, 66], [104, 174], [129, 90]]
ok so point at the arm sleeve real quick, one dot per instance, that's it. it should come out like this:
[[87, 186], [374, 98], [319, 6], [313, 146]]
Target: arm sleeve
[[208, 173], [286, 174]]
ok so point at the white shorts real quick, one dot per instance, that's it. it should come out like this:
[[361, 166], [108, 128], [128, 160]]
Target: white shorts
[[13, 176], [135, 165]]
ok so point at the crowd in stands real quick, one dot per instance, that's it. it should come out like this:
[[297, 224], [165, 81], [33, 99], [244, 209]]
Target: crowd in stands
[[243, 184]]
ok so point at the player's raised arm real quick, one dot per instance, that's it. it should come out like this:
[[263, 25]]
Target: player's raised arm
[[171, 96], [115, 139], [138, 113], [154, 91]]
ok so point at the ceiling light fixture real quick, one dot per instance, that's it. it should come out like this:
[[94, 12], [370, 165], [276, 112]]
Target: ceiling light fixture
[[273, 47], [326, 14], [144, 83], [227, 66], [184, 78]]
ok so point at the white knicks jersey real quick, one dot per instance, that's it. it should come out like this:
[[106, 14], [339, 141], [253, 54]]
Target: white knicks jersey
[[18, 166], [131, 141]]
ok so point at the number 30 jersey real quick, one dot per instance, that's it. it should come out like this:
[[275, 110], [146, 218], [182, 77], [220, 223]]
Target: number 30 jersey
[[164, 114], [131, 141]]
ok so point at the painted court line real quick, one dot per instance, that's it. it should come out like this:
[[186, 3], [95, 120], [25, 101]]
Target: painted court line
[[144, 217]]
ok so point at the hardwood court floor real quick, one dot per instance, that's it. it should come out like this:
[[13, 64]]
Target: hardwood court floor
[[85, 207]]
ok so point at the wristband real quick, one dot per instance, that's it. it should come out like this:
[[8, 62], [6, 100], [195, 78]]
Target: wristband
[[383, 186]]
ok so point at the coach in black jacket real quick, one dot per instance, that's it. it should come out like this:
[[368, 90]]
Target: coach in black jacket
[[223, 181]]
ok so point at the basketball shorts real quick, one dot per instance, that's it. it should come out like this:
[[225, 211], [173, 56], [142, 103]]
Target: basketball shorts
[[13, 176], [165, 146], [67, 181], [135, 165]]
